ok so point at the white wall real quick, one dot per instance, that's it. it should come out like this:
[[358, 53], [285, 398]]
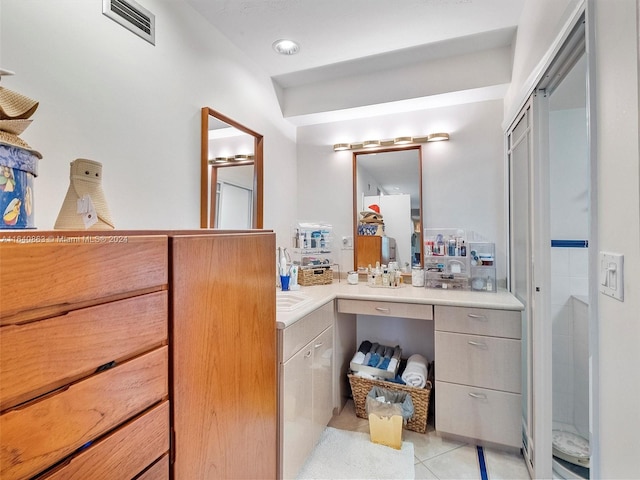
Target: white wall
[[618, 160], [463, 178], [569, 175], [108, 95], [540, 23]]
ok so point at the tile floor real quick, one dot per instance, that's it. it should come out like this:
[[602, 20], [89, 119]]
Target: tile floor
[[439, 458]]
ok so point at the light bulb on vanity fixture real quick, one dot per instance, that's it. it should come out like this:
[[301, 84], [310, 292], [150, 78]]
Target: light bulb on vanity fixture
[[397, 141], [437, 137]]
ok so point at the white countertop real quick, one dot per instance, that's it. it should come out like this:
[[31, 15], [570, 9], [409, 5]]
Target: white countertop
[[321, 294]]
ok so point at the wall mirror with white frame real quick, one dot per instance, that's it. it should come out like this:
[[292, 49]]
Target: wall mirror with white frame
[[231, 172], [392, 179]]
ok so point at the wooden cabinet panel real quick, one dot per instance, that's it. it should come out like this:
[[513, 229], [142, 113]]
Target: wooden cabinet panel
[[484, 414], [47, 430], [369, 250], [124, 453], [41, 356], [387, 309], [488, 362], [76, 270], [479, 321], [224, 360]]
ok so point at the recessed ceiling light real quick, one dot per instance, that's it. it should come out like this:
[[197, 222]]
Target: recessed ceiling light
[[286, 47]]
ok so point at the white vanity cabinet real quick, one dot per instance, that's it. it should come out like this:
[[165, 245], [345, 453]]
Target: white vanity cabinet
[[478, 374], [306, 386]]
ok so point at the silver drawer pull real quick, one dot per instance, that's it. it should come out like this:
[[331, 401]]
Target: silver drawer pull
[[318, 345], [382, 309], [477, 344], [308, 354], [481, 396], [477, 317]]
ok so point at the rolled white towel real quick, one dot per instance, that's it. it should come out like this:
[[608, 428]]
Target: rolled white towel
[[358, 358], [393, 363], [415, 373]]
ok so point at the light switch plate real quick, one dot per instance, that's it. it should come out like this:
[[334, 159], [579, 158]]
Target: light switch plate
[[612, 275]]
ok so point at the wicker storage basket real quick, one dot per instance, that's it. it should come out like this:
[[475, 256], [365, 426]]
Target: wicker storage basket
[[315, 276], [360, 388]]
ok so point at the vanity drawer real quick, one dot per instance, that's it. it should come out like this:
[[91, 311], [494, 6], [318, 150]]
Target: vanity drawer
[[41, 433], [488, 362], [38, 357], [40, 280], [299, 334], [386, 309], [479, 321], [478, 413], [128, 451]]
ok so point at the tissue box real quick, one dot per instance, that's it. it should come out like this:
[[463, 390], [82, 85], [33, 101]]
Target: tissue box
[[18, 168]]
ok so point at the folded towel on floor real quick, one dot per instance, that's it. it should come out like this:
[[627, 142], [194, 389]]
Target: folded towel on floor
[[415, 373]]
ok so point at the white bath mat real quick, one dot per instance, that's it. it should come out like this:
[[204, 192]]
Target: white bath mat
[[351, 455]]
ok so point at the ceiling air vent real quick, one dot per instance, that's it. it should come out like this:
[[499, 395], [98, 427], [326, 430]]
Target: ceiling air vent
[[132, 17]]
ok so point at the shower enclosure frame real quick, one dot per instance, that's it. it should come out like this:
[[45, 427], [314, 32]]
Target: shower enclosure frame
[[537, 328]]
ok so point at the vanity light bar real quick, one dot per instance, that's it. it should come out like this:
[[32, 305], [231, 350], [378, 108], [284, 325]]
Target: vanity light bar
[[432, 137], [244, 159]]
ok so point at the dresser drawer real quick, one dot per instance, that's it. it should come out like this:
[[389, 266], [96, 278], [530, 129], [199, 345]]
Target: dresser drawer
[[39, 280], [47, 430], [296, 336], [479, 321], [157, 471], [478, 413], [41, 356], [127, 451], [487, 362], [386, 309]]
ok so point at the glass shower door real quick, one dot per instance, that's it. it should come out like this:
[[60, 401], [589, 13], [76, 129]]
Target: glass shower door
[[519, 161]]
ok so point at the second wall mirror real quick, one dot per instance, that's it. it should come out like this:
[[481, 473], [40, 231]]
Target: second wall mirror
[[231, 174], [388, 180]]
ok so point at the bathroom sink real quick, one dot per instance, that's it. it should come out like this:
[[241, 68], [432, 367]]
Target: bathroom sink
[[287, 301]]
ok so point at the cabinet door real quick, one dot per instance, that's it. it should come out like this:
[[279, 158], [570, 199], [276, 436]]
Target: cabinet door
[[322, 381], [369, 250], [297, 432]]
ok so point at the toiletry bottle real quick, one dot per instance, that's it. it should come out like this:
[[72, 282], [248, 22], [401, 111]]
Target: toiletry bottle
[[385, 278], [489, 284], [452, 247], [463, 249]]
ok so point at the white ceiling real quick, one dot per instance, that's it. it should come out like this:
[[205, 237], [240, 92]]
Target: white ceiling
[[342, 39]]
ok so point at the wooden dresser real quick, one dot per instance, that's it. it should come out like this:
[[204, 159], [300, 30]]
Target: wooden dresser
[[83, 356], [146, 355]]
